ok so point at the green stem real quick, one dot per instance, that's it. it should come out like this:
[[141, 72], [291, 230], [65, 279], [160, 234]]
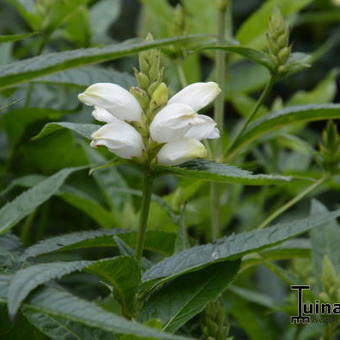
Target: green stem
[[143, 219], [293, 201], [219, 118], [181, 74], [249, 119]]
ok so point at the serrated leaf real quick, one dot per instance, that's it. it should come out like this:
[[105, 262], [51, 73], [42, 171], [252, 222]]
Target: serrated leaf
[[14, 211], [231, 248], [222, 173], [287, 116], [159, 241], [15, 37], [58, 328], [57, 302], [182, 299], [28, 69], [27, 279]]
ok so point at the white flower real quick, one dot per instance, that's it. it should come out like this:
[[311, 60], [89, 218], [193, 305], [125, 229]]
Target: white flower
[[179, 119], [182, 150], [196, 95], [120, 138], [115, 99]]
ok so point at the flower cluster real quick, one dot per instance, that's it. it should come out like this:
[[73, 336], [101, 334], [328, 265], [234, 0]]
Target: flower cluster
[[174, 131]]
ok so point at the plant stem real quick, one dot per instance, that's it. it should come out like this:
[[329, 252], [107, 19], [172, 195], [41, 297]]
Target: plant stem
[[219, 118], [294, 200], [249, 119], [143, 219], [181, 74]]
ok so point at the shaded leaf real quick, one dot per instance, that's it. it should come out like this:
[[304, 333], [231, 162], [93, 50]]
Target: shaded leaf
[[14, 37]]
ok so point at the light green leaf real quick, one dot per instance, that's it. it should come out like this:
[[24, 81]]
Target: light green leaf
[[57, 302], [87, 75], [182, 299], [222, 173], [15, 37], [287, 116], [252, 31], [28, 69], [231, 248], [13, 212]]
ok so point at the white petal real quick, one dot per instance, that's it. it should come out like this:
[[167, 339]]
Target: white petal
[[196, 95], [115, 99], [205, 128], [172, 122], [103, 115], [177, 152], [120, 138]]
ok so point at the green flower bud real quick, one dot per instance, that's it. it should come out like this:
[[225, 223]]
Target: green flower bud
[[160, 96], [142, 79]]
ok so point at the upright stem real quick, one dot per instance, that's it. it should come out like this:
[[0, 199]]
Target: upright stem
[[219, 118], [181, 74], [258, 104], [143, 219], [294, 200]]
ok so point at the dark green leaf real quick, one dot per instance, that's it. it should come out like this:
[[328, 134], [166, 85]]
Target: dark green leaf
[[182, 299], [28, 69], [290, 115], [232, 247], [12, 212], [223, 173]]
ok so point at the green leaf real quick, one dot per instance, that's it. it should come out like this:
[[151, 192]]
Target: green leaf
[[57, 302], [13, 212], [325, 242], [84, 130], [287, 116], [85, 76], [124, 275], [27, 279], [28, 69], [231, 248], [222, 173], [158, 241], [256, 56], [58, 328], [182, 299], [15, 37]]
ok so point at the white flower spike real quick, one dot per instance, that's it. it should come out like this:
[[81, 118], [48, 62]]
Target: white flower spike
[[114, 98], [120, 138], [197, 95], [180, 151]]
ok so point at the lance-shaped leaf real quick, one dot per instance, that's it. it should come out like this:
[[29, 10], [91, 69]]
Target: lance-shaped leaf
[[288, 116], [28, 69], [14, 37], [59, 303], [14, 211], [182, 299], [223, 173], [231, 248]]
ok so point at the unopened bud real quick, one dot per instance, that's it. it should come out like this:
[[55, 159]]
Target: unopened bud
[[141, 96], [142, 79], [160, 95]]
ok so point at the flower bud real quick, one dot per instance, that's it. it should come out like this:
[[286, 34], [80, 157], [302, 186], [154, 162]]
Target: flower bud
[[141, 96], [159, 96], [142, 79]]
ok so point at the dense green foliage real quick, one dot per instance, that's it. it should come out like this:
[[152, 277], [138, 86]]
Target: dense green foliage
[[226, 236]]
